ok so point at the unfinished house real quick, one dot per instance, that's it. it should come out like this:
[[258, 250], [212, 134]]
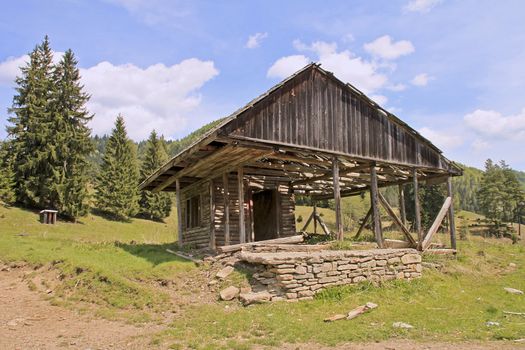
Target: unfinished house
[[313, 135]]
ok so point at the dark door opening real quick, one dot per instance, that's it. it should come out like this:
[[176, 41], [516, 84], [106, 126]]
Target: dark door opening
[[265, 215]]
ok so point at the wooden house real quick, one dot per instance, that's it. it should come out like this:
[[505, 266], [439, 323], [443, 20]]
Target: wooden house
[[311, 134]]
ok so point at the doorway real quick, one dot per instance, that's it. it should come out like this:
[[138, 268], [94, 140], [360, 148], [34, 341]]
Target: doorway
[[265, 215]]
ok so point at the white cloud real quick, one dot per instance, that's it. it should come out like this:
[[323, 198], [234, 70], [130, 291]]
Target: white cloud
[[421, 6], [345, 65], [494, 124], [421, 79], [286, 66], [255, 40], [384, 47], [479, 145], [446, 140], [157, 97]]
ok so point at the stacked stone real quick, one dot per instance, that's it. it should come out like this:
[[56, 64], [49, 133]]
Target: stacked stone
[[298, 276]]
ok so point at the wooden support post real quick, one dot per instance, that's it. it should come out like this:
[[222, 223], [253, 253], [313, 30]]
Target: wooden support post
[[451, 220], [397, 221], [179, 212], [375, 207], [212, 215], [310, 218], [437, 222], [240, 184], [337, 199], [315, 214], [417, 210], [226, 198], [367, 216], [402, 210]]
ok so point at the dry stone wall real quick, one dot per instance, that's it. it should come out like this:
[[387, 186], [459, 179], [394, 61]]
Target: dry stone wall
[[299, 275]]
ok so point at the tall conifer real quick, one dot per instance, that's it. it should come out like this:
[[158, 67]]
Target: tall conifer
[[155, 206], [116, 186], [7, 178], [31, 128]]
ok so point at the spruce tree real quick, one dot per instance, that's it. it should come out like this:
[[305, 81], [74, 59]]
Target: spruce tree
[[154, 206], [7, 178], [31, 129], [116, 185], [71, 138]]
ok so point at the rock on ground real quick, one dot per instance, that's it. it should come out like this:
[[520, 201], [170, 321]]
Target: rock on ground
[[229, 293]]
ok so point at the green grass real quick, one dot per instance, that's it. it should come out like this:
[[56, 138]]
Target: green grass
[[104, 263], [113, 269]]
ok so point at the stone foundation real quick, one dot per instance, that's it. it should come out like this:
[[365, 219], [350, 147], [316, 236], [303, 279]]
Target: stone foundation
[[299, 275]]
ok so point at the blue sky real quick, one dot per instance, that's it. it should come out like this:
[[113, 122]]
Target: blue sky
[[452, 69]]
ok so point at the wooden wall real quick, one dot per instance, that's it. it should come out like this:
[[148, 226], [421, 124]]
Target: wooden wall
[[317, 111], [198, 236]]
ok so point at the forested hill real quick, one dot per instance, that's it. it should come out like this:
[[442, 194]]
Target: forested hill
[[465, 186]]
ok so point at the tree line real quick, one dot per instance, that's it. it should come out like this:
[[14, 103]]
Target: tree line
[[45, 161]]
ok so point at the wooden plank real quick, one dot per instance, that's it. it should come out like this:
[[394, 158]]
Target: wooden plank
[[375, 207], [308, 221], [397, 221], [451, 219], [397, 244], [179, 213], [322, 224], [417, 209], [240, 184], [226, 198], [283, 240], [337, 200], [402, 210], [363, 224], [314, 213], [212, 216], [437, 222]]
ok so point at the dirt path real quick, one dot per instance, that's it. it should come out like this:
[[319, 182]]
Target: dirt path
[[28, 321]]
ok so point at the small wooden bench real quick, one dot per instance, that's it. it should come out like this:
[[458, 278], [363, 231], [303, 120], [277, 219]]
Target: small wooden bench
[[48, 216]]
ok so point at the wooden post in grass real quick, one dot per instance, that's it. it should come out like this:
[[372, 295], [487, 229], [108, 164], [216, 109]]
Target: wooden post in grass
[[240, 184], [179, 212], [402, 210], [337, 199], [417, 210], [226, 198], [374, 201], [451, 220]]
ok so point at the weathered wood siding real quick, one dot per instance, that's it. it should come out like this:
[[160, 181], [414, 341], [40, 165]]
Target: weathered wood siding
[[286, 206], [197, 236], [316, 111]]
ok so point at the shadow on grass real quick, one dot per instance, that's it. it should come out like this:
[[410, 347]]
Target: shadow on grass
[[154, 253]]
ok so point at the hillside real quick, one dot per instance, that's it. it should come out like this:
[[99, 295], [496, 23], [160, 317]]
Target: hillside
[[122, 272]]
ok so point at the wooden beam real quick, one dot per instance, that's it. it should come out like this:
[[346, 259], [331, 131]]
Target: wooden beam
[[312, 216], [212, 215], [375, 207], [337, 200], [402, 210], [398, 222], [284, 240], [435, 226], [240, 184], [314, 213], [322, 224], [328, 176], [179, 213], [451, 219], [417, 209], [363, 224], [226, 198]]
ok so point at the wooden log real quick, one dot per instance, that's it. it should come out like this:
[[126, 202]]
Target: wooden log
[[440, 251], [437, 222], [375, 207], [315, 221], [451, 220], [226, 198], [283, 240], [322, 224], [308, 221], [184, 256], [179, 212], [240, 184], [397, 244], [397, 221], [363, 224], [212, 215], [337, 199], [417, 209], [402, 210]]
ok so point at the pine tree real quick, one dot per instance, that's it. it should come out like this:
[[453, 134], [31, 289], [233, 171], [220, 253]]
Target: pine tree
[[7, 178], [31, 128], [116, 185], [71, 138], [431, 198], [154, 206]]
